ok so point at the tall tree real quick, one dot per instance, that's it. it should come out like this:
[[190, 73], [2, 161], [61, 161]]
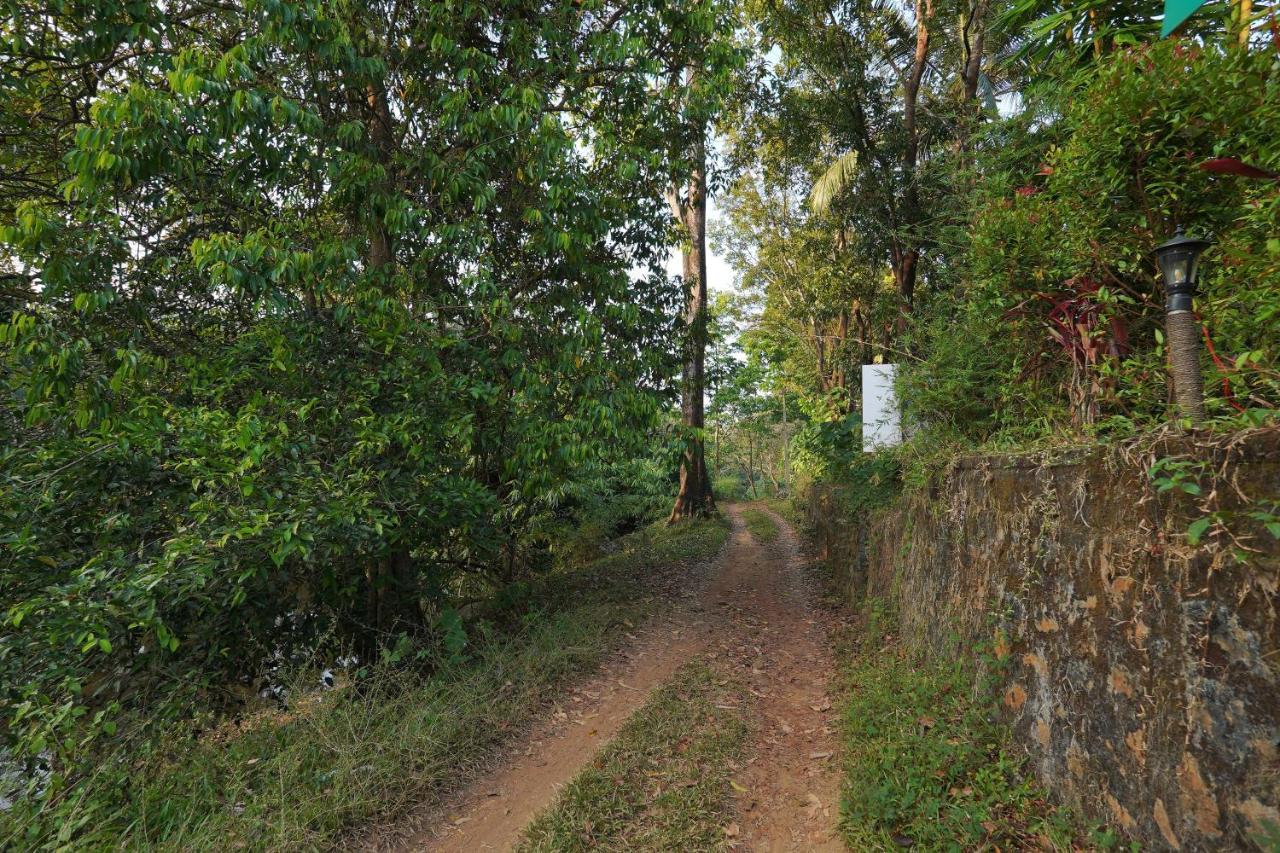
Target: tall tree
[[906, 253], [689, 207]]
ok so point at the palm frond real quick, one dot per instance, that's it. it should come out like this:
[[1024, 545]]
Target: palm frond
[[833, 182]]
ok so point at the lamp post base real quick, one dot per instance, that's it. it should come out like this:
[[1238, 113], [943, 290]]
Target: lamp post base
[[1183, 333]]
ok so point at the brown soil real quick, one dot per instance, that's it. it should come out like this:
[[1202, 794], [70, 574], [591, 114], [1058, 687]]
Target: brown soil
[[753, 614]]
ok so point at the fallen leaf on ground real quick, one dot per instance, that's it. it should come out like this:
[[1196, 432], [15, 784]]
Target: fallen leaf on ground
[[812, 805]]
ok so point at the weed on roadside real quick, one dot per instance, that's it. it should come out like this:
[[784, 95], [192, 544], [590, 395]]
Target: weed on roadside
[[928, 763], [392, 741]]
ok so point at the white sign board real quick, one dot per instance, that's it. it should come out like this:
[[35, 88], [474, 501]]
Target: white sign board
[[881, 422]]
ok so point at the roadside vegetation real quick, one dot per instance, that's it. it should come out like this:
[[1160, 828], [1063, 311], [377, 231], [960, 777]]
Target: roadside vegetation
[[322, 324], [928, 764], [394, 735], [791, 509], [664, 783], [991, 230]]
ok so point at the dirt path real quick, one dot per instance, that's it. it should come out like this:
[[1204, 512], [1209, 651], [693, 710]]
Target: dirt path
[[752, 614], [792, 781]]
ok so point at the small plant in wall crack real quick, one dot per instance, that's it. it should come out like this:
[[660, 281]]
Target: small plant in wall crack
[[1177, 474]]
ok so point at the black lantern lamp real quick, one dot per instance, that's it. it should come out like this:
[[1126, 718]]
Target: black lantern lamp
[[1179, 261]]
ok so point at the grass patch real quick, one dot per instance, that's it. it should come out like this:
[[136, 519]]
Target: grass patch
[[928, 767], [761, 525], [789, 509], [374, 750], [729, 488], [662, 784]]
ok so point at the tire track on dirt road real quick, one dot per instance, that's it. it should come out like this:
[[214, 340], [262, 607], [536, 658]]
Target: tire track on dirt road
[[752, 613]]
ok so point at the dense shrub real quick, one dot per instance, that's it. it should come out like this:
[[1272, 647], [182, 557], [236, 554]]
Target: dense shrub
[[730, 487], [319, 319], [827, 449], [1056, 323]]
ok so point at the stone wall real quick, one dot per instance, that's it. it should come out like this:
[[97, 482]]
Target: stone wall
[[1144, 674]]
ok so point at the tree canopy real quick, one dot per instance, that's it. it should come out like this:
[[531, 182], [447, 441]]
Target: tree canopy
[[318, 314]]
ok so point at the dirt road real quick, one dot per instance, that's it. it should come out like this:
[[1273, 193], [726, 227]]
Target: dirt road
[[752, 613]]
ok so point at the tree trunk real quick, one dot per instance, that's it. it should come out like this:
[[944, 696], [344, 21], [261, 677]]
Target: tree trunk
[[786, 445], [904, 272], [694, 497], [973, 38], [975, 32], [841, 356], [820, 352], [380, 133], [392, 602], [911, 88], [769, 467], [1244, 10]]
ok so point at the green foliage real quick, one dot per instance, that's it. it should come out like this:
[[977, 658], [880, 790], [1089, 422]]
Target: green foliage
[[729, 487], [662, 784], [870, 480], [1058, 325], [1027, 225], [1256, 519], [832, 183], [928, 765], [1044, 32], [815, 313], [829, 449], [791, 509], [300, 780], [626, 495], [749, 426], [320, 319]]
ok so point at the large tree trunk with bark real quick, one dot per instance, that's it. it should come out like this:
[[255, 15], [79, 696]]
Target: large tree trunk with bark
[[904, 261], [694, 498]]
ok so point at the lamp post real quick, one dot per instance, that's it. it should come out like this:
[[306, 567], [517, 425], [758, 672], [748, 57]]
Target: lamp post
[[1179, 261]]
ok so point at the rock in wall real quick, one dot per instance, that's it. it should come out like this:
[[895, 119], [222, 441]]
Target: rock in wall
[[1144, 673]]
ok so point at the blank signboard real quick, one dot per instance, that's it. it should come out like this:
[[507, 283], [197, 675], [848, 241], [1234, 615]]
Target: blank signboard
[[881, 424]]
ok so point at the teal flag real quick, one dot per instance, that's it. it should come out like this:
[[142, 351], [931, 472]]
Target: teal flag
[[1177, 11]]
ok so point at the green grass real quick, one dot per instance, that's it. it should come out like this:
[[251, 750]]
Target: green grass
[[790, 509], [662, 784], [340, 760], [729, 488], [928, 767], [761, 525]]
